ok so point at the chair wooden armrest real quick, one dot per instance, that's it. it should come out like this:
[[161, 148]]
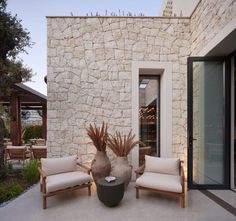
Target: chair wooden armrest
[[41, 172], [139, 171], [88, 170], [42, 180]]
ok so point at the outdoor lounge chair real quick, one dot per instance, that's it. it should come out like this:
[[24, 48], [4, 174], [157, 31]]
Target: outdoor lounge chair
[[60, 175], [163, 175], [16, 153], [38, 152]]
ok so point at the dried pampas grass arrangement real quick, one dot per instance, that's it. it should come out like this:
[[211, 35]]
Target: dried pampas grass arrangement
[[122, 145], [98, 136]]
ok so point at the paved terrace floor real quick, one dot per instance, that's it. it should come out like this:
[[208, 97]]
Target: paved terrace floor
[[78, 206]]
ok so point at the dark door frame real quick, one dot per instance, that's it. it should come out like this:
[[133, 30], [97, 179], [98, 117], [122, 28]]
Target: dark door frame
[[227, 113], [156, 77]]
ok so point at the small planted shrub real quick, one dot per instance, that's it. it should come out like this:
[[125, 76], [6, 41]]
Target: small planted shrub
[[30, 170], [3, 173], [9, 166], [10, 191], [31, 132], [6, 169], [6, 133]]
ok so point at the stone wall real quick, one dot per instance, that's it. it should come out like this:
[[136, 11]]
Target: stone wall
[[89, 70], [89, 75], [209, 18]]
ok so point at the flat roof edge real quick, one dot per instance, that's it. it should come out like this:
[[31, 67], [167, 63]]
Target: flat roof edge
[[134, 17]]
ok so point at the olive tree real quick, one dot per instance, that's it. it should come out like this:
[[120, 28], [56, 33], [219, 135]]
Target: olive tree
[[13, 40]]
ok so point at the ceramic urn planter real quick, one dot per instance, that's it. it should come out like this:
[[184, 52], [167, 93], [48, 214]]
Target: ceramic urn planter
[[101, 166], [122, 169]]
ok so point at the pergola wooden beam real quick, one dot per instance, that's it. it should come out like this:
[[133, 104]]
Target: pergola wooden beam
[[15, 123], [29, 99]]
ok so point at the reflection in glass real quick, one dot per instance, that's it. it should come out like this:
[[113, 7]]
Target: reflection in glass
[[208, 123]]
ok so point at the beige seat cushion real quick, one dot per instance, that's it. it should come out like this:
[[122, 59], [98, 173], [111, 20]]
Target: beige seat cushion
[[162, 165], [65, 180], [165, 182], [51, 166]]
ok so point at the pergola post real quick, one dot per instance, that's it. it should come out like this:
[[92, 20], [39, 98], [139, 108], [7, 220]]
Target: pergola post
[[44, 121], [15, 119]]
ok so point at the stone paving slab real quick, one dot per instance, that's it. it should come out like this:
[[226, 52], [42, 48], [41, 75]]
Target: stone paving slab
[[79, 206]]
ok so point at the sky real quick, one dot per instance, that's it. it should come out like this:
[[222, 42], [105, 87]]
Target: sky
[[33, 15]]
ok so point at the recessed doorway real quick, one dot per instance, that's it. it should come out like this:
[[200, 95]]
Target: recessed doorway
[[149, 116]]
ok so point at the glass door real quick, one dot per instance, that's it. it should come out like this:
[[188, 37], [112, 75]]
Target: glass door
[[208, 123]]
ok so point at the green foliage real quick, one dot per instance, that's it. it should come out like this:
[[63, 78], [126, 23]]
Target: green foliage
[[14, 39], [8, 169], [9, 191], [6, 133], [2, 147], [5, 115], [12, 71], [31, 132], [9, 166], [30, 170], [3, 172]]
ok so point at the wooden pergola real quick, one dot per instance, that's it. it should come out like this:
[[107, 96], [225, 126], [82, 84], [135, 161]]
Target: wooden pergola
[[24, 97]]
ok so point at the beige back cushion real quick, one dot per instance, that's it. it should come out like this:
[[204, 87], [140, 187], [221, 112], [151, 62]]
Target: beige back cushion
[[162, 165], [52, 166]]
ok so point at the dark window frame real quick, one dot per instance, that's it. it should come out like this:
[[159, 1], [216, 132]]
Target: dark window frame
[[227, 118]]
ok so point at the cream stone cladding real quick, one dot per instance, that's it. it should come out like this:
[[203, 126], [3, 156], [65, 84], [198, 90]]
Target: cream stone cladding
[[208, 20], [89, 76]]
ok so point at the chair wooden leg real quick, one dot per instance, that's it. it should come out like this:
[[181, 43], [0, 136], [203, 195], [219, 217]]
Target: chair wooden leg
[[137, 193], [89, 190], [41, 187], [182, 201], [44, 202]]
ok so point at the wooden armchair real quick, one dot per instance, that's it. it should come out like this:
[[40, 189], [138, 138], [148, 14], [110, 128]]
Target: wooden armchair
[[38, 152], [16, 153], [163, 175], [60, 175]]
